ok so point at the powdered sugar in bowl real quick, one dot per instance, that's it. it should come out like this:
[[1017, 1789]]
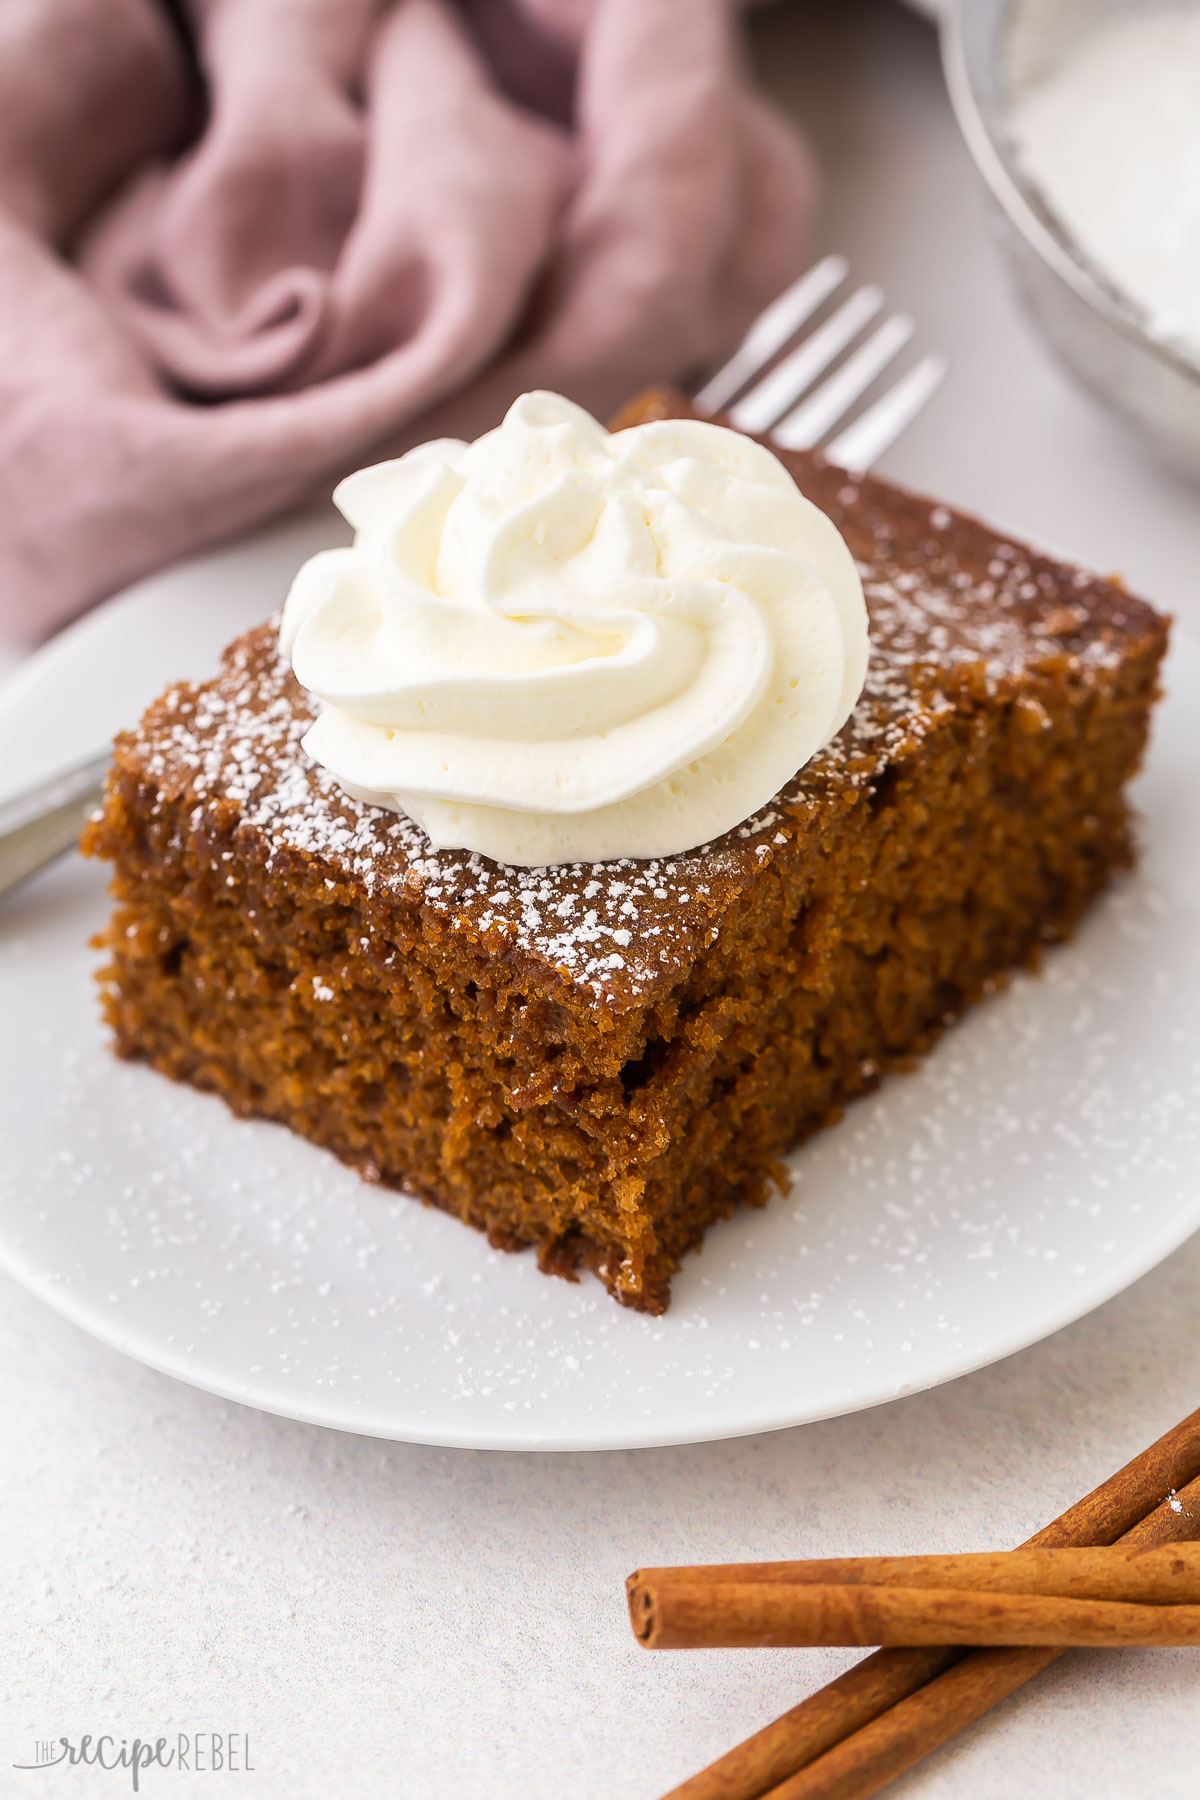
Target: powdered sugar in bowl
[[1078, 115]]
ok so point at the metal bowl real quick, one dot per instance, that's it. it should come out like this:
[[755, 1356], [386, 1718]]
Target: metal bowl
[[993, 51]]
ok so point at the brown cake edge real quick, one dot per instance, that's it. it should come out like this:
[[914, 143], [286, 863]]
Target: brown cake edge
[[673, 1205], [662, 1206]]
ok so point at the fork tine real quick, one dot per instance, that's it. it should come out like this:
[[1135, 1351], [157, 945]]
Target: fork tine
[[771, 331], [814, 417], [862, 443], [760, 408]]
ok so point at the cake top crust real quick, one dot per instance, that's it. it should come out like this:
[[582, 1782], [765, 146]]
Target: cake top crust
[[956, 611]]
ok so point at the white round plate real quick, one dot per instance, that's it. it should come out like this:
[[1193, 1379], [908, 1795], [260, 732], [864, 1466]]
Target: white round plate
[[1044, 1156]]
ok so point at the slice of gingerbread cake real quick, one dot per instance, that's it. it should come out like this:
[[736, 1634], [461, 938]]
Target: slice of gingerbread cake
[[596, 1017]]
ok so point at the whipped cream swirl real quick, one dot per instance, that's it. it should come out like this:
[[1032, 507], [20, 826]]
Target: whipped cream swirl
[[560, 644]]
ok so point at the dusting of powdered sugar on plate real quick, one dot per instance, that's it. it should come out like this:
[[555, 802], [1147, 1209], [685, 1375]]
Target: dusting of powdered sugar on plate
[[1045, 1153], [1041, 1158]]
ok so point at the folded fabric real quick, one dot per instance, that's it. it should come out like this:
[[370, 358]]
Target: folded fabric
[[246, 245]]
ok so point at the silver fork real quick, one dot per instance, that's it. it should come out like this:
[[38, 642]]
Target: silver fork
[[770, 406], [789, 402]]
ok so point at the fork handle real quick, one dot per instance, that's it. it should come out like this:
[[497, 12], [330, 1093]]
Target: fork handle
[[38, 825]]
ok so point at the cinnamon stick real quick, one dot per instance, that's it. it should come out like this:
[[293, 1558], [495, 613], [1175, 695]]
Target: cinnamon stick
[[881, 1684], [761, 1615], [867, 1760], [822, 1601]]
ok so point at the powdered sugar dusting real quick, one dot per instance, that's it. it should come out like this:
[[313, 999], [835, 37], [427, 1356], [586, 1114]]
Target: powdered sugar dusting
[[619, 928], [1047, 1151]]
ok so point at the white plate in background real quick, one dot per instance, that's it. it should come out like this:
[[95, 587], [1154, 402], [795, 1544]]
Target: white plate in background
[[1044, 1156]]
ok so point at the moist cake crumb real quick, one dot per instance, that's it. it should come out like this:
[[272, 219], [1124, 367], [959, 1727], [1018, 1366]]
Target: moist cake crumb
[[600, 1059]]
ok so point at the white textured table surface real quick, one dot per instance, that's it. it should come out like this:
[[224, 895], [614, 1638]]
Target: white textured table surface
[[392, 1621]]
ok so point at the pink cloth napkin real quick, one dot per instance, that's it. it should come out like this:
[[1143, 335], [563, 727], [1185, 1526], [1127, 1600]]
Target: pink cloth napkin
[[335, 229]]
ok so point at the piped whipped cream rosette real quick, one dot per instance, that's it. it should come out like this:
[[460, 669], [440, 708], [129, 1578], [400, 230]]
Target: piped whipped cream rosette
[[561, 644]]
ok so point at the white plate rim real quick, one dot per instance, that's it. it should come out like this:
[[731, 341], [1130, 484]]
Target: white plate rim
[[149, 1355], [630, 1433]]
